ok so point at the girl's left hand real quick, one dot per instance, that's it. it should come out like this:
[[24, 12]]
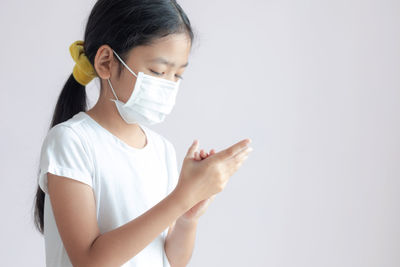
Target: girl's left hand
[[194, 213]]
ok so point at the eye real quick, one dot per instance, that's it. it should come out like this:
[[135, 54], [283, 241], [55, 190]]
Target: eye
[[157, 73]]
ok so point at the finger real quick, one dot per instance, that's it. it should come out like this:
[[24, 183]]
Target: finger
[[192, 149], [212, 152], [203, 153], [236, 161], [242, 161], [231, 165], [233, 150], [241, 154], [242, 158]]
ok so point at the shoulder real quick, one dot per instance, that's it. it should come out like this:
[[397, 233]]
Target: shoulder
[[63, 133], [76, 120], [69, 131], [64, 138], [64, 153]]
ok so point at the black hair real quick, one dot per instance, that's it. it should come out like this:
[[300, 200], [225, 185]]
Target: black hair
[[121, 24]]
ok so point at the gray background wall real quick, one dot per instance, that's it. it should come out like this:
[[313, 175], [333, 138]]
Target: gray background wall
[[314, 83]]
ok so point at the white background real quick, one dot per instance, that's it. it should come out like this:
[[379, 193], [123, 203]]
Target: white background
[[316, 86]]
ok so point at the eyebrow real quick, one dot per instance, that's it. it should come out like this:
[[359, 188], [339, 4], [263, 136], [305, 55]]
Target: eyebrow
[[166, 62]]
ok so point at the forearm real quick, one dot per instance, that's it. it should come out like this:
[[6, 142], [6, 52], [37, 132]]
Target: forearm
[[116, 247], [179, 243]]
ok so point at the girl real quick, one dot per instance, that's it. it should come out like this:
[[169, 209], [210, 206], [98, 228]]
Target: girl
[[109, 192]]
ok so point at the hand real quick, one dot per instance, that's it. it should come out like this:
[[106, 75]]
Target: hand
[[201, 179], [194, 213]]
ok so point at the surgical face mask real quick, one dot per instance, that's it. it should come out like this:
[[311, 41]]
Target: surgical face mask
[[151, 100]]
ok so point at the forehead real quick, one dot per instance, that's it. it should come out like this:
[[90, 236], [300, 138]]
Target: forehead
[[174, 48]]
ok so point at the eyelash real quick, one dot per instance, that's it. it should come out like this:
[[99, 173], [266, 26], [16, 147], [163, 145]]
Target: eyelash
[[180, 77]]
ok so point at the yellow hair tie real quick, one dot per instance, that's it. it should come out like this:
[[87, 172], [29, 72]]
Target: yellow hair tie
[[83, 71]]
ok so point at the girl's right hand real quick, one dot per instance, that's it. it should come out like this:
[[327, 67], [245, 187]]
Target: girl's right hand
[[200, 180]]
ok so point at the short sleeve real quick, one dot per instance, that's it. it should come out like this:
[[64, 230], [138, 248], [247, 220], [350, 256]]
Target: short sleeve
[[173, 173], [64, 154]]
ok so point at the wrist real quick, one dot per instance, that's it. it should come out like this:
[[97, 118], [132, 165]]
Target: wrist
[[181, 200]]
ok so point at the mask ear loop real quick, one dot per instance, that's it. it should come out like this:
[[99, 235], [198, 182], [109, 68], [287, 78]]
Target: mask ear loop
[[124, 63], [126, 67], [112, 89]]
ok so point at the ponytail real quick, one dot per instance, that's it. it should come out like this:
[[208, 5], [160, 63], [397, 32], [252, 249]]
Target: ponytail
[[71, 101]]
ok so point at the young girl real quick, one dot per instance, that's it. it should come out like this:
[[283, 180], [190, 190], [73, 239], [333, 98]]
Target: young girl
[[109, 191]]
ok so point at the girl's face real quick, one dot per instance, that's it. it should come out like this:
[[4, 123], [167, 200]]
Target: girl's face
[[165, 58]]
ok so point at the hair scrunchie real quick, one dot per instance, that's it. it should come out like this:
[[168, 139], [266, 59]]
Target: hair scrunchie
[[83, 71]]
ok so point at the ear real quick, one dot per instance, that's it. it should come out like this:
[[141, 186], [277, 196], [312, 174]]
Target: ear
[[104, 62]]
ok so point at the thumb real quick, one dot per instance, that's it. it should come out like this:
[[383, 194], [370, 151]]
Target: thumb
[[192, 149]]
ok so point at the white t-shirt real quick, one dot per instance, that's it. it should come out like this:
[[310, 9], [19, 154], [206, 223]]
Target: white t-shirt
[[126, 181]]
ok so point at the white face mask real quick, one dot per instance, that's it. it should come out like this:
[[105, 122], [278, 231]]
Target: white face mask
[[151, 100]]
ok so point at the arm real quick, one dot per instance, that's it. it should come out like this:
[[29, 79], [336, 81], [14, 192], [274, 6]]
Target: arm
[[74, 210], [179, 242]]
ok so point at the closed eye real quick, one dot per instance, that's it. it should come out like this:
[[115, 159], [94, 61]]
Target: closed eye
[[159, 74]]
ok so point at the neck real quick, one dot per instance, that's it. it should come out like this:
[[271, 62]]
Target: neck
[[106, 114]]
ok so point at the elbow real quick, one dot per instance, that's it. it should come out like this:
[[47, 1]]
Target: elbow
[[89, 259], [95, 260]]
